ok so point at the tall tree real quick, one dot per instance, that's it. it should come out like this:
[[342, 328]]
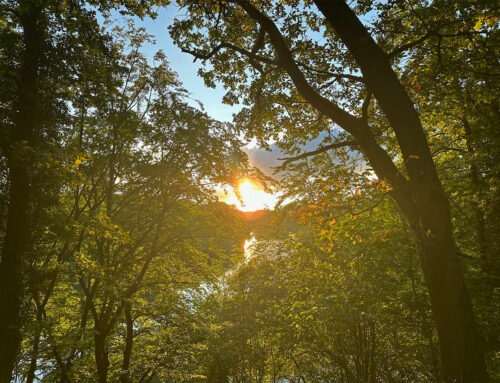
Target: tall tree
[[271, 45], [20, 154], [137, 226], [38, 61]]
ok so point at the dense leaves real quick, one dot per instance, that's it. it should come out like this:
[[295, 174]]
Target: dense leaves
[[119, 264]]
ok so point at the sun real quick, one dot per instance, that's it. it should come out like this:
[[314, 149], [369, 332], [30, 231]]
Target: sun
[[252, 197], [247, 197]]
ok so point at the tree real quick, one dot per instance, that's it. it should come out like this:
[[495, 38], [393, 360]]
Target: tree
[[38, 64], [337, 296], [263, 57], [137, 227], [19, 152]]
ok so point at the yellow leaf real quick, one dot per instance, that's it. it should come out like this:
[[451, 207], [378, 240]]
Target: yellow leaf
[[478, 25]]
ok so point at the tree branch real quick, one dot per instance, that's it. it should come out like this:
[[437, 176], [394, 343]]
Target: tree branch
[[287, 62], [426, 36], [259, 43], [410, 45], [379, 159], [319, 150], [338, 76], [199, 54]]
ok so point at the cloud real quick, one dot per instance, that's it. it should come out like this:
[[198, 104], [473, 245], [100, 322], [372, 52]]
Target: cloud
[[266, 160], [263, 159]]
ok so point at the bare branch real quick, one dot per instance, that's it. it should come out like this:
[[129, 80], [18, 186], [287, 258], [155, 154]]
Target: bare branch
[[319, 150]]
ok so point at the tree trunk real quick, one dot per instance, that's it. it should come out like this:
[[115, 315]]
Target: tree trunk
[[129, 338], [11, 286], [18, 227], [461, 355], [36, 344], [461, 352], [101, 355]]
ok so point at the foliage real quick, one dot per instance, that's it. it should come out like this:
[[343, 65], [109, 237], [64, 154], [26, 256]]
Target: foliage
[[134, 272]]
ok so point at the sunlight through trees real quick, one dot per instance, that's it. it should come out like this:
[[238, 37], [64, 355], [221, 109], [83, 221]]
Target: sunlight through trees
[[139, 243]]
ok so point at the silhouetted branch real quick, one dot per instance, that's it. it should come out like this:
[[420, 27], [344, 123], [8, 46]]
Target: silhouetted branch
[[199, 54], [426, 36], [321, 149], [331, 74]]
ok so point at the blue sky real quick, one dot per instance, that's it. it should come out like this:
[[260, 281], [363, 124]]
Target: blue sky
[[183, 64]]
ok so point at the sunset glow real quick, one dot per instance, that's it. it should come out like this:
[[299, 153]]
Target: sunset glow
[[252, 197]]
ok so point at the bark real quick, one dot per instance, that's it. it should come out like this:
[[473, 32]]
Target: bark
[[30, 377], [18, 227], [129, 338], [461, 351], [101, 355], [64, 370]]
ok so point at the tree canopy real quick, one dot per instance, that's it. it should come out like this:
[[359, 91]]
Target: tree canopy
[[120, 262]]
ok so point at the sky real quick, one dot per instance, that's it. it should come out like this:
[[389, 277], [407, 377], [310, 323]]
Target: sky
[[183, 64], [211, 99]]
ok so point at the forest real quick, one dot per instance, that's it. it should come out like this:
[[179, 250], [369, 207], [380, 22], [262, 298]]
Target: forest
[[340, 223]]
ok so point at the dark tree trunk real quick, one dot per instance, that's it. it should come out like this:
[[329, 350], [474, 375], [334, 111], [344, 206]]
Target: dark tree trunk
[[461, 352], [101, 355], [129, 338], [30, 377], [11, 286], [64, 369], [18, 227]]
